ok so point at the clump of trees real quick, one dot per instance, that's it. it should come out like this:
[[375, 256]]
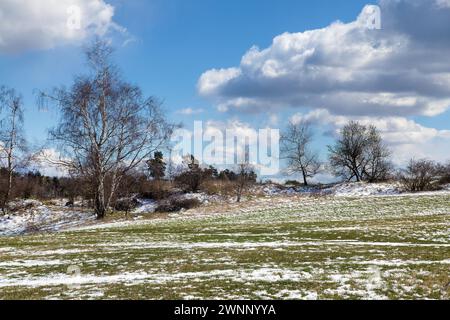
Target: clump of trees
[[360, 154], [195, 177], [33, 184]]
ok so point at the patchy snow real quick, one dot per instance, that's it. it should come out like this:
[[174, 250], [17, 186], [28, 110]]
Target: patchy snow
[[150, 205], [30, 263], [346, 189], [274, 275], [23, 204], [275, 189], [262, 244], [201, 197], [358, 189], [286, 294], [263, 274], [339, 190], [145, 206], [268, 247], [364, 189], [33, 216]]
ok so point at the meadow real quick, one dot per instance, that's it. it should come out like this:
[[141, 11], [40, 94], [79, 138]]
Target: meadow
[[388, 247]]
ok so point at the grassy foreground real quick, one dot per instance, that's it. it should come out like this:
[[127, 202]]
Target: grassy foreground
[[299, 248]]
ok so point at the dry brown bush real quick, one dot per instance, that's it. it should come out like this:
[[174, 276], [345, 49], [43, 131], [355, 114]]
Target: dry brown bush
[[175, 205]]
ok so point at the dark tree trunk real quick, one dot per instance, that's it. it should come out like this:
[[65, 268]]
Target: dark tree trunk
[[10, 180], [100, 207], [305, 182]]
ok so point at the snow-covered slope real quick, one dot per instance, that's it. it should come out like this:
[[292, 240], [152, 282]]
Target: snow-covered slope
[[338, 190], [145, 206], [31, 215], [358, 189], [36, 216]]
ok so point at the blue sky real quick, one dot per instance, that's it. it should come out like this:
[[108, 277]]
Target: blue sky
[[175, 42], [180, 51]]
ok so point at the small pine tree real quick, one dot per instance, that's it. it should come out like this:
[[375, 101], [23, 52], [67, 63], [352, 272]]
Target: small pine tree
[[157, 166]]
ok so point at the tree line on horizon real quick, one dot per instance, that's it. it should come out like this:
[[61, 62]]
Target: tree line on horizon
[[109, 131]]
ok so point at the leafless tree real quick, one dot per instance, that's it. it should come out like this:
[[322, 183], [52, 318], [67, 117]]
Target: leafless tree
[[107, 126], [245, 177], [12, 143], [443, 172], [377, 166], [171, 170], [360, 154], [419, 175], [296, 142]]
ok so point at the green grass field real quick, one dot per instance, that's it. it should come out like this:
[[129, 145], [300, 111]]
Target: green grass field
[[299, 248]]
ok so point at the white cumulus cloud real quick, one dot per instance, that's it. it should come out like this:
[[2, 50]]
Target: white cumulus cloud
[[190, 111], [401, 69], [407, 138], [48, 163], [44, 24]]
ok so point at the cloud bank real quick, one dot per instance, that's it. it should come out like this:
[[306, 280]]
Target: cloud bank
[[346, 68]]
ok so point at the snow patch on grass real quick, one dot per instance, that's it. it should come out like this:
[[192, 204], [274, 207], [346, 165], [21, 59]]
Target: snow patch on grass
[[42, 218]]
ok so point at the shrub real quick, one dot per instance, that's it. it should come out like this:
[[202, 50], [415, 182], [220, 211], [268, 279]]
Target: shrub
[[175, 205], [156, 190], [420, 175], [193, 176], [218, 187], [444, 173], [211, 187], [293, 183], [191, 180], [126, 204]]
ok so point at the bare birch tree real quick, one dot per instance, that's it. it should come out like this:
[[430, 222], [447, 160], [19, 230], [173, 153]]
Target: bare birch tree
[[12, 142], [107, 126], [296, 149]]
